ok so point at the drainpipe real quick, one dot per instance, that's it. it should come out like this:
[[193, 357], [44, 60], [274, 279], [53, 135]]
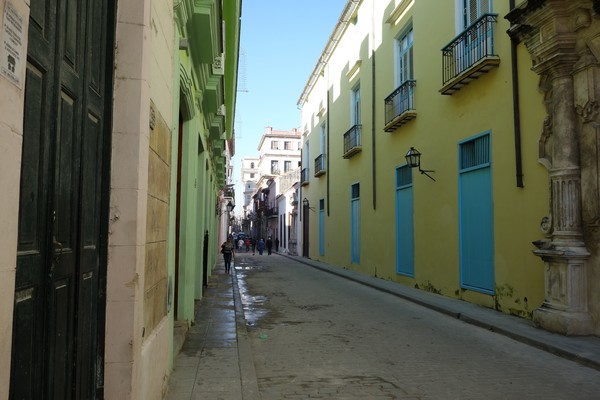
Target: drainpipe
[[516, 107], [373, 131], [328, 171]]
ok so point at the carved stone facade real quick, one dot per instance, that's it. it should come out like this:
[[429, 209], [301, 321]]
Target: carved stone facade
[[563, 39]]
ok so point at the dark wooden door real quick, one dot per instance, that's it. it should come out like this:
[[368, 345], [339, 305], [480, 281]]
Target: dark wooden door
[[61, 261]]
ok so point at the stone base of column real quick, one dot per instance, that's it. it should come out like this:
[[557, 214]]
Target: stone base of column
[[564, 322], [565, 307]]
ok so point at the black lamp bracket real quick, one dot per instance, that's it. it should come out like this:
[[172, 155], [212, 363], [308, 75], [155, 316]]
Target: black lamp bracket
[[425, 172]]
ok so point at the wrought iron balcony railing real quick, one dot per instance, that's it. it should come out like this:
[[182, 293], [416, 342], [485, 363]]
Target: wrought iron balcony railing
[[304, 178], [272, 212], [400, 106], [469, 55], [352, 143], [320, 165]]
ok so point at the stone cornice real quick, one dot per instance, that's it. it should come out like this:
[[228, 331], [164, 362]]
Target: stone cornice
[[549, 30]]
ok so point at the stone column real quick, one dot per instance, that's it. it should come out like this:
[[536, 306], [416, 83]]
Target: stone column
[[551, 31], [565, 307]]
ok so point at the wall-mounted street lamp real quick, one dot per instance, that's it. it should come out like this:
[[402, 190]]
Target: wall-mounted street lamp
[[306, 204], [230, 206], [413, 159]]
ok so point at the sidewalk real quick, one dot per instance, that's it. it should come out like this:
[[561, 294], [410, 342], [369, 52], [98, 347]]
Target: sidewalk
[[216, 359]]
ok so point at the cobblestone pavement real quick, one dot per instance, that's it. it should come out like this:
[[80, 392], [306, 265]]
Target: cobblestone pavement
[[315, 335]]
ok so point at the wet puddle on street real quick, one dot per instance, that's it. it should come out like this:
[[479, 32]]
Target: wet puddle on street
[[254, 305]]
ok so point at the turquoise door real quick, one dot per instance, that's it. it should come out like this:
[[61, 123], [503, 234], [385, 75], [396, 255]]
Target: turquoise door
[[322, 227], [476, 215], [405, 239], [355, 224]]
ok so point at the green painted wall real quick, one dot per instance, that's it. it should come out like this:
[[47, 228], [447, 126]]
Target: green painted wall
[[199, 36]]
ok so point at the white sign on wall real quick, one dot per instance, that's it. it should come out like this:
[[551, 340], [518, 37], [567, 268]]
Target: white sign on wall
[[11, 41]]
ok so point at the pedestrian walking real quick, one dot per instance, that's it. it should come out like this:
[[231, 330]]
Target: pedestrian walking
[[269, 245], [227, 249], [240, 244], [247, 244], [253, 246], [277, 244], [261, 246]]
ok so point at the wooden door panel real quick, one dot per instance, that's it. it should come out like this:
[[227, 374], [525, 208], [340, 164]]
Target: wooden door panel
[[405, 235], [72, 35], [56, 351], [87, 340], [60, 356], [27, 365], [91, 163], [66, 189], [34, 175], [96, 51], [24, 346]]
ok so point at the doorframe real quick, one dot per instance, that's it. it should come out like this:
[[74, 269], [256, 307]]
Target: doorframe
[[461, 172], [403, 188]]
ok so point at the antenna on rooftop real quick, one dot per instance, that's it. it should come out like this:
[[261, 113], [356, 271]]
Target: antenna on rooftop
[[238, 126], [241, 85]]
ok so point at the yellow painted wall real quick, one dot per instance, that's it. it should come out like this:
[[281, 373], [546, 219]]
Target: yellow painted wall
[[486, 104]]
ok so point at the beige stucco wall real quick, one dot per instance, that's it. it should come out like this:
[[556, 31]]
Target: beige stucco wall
[[137, 329], [156, 350], [11, 139], [128, 199]]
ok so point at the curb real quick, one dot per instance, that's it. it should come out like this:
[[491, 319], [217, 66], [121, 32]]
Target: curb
[[249, 381], [584, 350]]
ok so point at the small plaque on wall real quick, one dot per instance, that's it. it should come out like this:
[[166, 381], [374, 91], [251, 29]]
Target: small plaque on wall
[[11, 45]]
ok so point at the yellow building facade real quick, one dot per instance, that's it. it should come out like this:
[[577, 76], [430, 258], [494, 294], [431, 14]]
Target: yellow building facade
[[444, 79]]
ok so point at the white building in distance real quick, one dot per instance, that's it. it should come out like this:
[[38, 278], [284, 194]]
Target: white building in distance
[[249, 176], [279, 152]]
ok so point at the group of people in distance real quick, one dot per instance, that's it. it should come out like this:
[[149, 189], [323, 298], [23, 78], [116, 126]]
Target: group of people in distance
[[228, 248]]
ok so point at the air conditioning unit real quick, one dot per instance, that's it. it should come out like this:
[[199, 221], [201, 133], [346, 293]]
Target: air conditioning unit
[[221, 110]]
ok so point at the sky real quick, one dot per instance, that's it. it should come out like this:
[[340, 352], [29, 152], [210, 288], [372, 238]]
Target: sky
[[280, 43]]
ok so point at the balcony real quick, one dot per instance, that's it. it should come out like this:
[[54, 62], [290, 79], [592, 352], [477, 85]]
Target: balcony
[[304, 178], [259, 205], [320, 165], [400, 106], [469, 55], [352, 144], [272, 212]]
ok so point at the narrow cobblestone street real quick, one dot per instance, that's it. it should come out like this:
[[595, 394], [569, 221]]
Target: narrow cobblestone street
[[315, 335], [292, 328]]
